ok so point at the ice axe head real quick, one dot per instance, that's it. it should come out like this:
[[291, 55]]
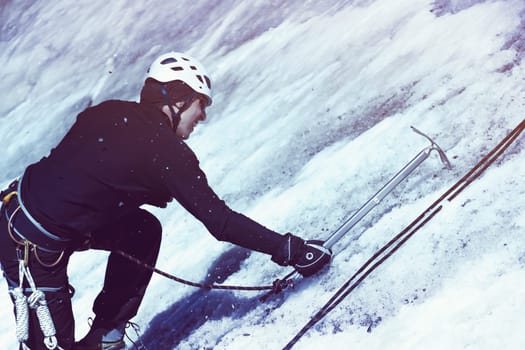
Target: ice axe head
[[435, 146]]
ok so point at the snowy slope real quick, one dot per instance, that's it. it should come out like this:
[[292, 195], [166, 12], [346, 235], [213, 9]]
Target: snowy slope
[[312, 112]]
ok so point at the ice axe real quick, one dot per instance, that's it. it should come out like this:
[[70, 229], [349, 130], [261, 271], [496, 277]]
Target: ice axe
[[387, 188]]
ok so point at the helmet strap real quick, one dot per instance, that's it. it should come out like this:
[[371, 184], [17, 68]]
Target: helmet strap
[[175, 116]]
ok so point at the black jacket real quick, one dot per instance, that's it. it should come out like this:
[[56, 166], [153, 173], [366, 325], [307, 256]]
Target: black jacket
[[118, 156]]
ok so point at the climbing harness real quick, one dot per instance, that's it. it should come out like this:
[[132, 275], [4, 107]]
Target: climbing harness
[[28, 245], [395, 243], [36, 300]]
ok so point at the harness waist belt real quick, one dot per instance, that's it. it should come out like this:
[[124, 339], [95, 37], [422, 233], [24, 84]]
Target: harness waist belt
[[27, 228]]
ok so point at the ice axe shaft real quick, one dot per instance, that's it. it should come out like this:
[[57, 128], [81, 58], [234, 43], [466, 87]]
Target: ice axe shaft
[[387, 188]]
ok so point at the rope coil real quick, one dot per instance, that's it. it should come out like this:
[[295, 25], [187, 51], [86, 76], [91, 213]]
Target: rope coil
[[21, 314], [37, 302]]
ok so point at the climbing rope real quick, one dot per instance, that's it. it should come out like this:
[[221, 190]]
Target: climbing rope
[[277, 286], [395, 243]]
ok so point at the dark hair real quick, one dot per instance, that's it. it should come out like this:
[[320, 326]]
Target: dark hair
[[152, 92]]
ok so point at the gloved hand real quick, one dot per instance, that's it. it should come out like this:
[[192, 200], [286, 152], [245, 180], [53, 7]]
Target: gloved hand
[[308, 257]]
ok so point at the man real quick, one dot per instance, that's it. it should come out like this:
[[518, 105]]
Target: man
[[88, 193]]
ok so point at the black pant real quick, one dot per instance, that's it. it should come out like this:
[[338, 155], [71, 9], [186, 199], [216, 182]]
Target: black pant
[[138, 234]]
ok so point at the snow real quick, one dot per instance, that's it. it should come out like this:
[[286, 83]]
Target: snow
[[313, 103]]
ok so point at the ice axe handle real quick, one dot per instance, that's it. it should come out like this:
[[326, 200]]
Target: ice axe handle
[[387, 188]]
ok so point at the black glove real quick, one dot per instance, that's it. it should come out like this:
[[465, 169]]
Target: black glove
[[308, 257]]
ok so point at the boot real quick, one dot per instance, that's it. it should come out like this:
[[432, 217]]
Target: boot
[[102, 337]]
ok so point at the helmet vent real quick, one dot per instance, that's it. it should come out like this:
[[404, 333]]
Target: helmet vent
[[169, 60], [176, 69], [206, 80]]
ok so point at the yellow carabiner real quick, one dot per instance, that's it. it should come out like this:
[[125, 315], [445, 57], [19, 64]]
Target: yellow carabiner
[[8, 197]]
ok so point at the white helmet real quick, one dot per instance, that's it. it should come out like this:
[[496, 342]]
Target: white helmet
[[178, 66]]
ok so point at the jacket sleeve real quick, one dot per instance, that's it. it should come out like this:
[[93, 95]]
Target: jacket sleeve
[[187, 183]]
